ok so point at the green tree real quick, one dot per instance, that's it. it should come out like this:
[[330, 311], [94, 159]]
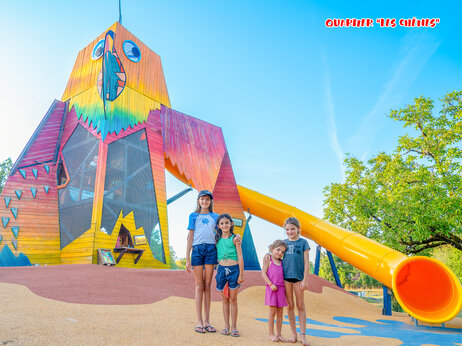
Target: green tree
[[451, 257], [350, 277], [411, 199], [181, 263], [173, 259], [5, 168]]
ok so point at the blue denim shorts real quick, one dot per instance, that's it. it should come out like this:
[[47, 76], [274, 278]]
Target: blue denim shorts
[[228, 274], [204, 254]]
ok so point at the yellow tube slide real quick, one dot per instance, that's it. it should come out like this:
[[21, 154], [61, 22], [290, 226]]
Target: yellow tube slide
[[424, 287]]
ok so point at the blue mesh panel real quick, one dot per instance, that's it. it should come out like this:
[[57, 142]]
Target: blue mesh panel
[[129, 187], [76, 200], [248, 251]]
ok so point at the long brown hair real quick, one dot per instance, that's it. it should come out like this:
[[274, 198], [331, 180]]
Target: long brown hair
[[219, 233], [198, 207]]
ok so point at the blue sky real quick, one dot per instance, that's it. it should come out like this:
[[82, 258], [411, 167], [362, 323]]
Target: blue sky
[[291, 95]]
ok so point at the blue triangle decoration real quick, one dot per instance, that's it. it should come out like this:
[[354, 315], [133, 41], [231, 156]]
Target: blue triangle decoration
[[23, 173], [5, 221], [15, 244], [18, 193], [34, 191], [47, 168], [15, 231], [7, 201], [8, 259], [15, 212], [1, 237], [46, 187], [35, 172]]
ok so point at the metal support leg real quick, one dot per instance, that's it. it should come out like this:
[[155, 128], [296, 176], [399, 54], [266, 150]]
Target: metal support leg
[[318, 260], [334, 269], [386, 310]]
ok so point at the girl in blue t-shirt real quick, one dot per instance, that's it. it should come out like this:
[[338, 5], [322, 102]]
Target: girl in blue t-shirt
[[201, 238], [296, 266], [203, 258]]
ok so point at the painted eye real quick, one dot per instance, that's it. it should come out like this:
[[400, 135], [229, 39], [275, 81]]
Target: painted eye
[[132, 51], [98, 50]]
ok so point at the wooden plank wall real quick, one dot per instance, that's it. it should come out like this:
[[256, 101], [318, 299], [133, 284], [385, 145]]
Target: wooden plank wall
[[145, 77], [145, 88], [105, 241], [156, 152], [37, 217]]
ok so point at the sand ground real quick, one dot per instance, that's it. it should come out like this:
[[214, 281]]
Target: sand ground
[[27, 318]]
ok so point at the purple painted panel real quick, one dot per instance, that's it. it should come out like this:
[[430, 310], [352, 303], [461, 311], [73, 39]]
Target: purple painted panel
[[42, 146]]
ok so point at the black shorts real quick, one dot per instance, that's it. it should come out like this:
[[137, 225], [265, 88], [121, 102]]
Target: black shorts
[[292, 280]]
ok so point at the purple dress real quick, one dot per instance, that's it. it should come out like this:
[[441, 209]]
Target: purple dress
[[276, 275]]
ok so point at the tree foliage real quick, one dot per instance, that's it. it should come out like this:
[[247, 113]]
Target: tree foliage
[[410, 199], [5, 168], [350, 277], [451, 257]]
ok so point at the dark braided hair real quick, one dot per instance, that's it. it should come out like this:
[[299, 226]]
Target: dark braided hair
[[219, 233]]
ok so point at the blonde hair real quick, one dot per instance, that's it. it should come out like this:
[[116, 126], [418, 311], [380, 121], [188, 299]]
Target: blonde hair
[[278, 243]]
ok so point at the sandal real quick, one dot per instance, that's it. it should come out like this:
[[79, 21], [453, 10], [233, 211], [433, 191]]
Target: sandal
[[200, 330], [210, 329], [224, 331], [235, 333]]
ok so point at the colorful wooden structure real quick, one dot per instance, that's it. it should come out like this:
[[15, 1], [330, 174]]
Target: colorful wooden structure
[[97, 161]]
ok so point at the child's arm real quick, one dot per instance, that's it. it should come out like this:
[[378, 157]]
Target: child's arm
[[237, 239], [306, 271], [265, 277], [240, 259], [188, 250], [266, 259]]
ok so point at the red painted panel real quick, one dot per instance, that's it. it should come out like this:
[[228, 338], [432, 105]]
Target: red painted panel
[[43, 144], [194, 146], [225, 194], [71, 123]]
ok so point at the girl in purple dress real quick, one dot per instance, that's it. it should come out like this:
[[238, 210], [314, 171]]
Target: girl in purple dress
[[275, 295]]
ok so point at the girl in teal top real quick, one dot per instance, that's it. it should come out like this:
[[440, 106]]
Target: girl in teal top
[[230, 270]]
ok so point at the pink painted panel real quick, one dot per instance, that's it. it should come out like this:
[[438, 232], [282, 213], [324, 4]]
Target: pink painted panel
[[194, 146], [44, 142]]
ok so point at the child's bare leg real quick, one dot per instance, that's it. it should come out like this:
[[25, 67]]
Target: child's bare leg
[[207, 283], [233, 303], [279, 314], [199, 279], [300, 299], [291, 309], [272, 313], [225, 310]]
